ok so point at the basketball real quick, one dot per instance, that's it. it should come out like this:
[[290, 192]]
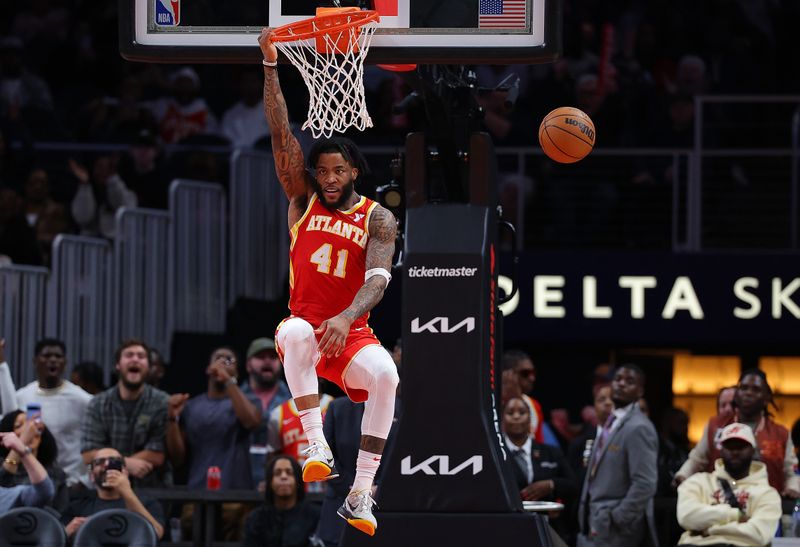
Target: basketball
[[566, 135]]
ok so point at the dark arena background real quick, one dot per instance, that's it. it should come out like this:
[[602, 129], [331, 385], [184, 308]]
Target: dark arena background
[[139, 199]]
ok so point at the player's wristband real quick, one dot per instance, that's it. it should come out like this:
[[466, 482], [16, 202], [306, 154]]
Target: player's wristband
[[378, 271], [272, 64]]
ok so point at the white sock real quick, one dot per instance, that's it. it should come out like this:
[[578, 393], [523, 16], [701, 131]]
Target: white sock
[[367, 465], [311, 418]]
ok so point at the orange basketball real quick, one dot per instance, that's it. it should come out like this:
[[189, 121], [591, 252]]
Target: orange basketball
[[566, 134]]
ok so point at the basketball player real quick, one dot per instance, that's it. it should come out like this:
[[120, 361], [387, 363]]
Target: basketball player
[[341, 251]]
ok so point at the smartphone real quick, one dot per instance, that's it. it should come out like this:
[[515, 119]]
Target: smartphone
[[33, 411], [114, 464]]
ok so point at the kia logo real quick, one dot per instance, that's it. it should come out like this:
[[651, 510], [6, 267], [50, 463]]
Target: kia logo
[[441, 325], [440, 465]]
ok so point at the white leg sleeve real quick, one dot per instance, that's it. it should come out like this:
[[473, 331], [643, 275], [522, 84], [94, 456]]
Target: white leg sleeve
[[300, 355], [373, 370]]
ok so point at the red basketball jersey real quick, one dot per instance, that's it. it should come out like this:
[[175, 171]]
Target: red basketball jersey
[[327, 260], [292, 437]]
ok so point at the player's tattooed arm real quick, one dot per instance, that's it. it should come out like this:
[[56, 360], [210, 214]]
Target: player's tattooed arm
[[286, 151], [380, 251]]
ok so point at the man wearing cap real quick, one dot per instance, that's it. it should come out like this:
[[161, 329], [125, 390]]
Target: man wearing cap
[[734, 504], [263, 371]]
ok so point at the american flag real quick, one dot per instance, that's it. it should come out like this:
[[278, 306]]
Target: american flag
[[502, 13]]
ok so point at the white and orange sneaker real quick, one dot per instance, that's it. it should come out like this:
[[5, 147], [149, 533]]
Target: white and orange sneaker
[[319, 466], [357, 511]]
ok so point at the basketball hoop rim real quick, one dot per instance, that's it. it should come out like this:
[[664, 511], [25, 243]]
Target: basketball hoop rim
[[358, 18]]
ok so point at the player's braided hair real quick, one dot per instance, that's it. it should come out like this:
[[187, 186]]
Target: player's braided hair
[[342, 145], [770, 396]]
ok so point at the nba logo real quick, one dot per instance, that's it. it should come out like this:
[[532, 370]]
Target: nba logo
[[168, 13]]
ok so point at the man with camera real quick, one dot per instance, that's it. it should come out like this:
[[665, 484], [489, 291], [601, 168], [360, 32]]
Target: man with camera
[[108, 472]]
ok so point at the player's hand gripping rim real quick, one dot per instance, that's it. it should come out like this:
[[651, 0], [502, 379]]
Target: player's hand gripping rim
[[334, 333]]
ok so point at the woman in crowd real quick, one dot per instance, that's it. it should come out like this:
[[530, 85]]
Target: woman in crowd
[[38, 492], [35, 435], [285, 519], [541, 471]]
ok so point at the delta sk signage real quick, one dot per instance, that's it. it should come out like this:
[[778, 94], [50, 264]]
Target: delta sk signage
[[654, 298]]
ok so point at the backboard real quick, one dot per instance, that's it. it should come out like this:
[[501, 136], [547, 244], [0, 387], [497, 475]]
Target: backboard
[[410, 31]]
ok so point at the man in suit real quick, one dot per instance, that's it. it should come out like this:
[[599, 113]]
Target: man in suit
[[616, 507], [540, 471]]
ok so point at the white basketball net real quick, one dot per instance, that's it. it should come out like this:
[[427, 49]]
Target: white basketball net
[[335, 82]]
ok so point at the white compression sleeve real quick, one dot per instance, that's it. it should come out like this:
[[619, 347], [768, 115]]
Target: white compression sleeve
[[372, 369], [300, 355]]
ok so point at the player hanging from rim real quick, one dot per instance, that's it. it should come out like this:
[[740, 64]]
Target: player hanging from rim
[[341, 252]]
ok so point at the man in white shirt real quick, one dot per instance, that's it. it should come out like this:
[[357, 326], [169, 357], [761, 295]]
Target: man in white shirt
[[244, 123], [63, 405]]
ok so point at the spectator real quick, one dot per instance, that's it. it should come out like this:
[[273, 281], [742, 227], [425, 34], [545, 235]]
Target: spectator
[[109, 118], [213, 429], [691, 76], [541, 471], [23, 95], [8, 396], [774, 446], [35, 435], [223, 410], [519, 364], [184, 113], [157, 369], [285, 518], [601, 101], [42, 25], [63, 405], [263, 371], [17, 239], [725, 398], [734, 504], [285, 434], [580, 449], [673, 448], [47, 217], [244, 123], [616, 506], [98, 198], [143, 168], [129, 417], [35, 494], [89, 377], [114, 491]]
